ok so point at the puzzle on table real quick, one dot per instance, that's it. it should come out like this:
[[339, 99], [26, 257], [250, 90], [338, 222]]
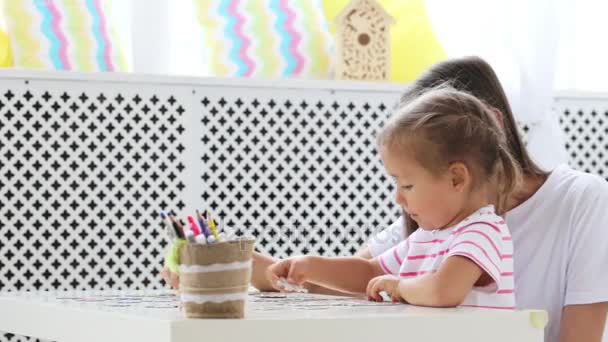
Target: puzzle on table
[[272, 301], [257, 301], [152, 300]]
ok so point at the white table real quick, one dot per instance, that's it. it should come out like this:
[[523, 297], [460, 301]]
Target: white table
[[152, 316]]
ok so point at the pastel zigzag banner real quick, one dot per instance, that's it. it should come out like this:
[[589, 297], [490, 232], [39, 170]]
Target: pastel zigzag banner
[[64, 35], [271, 38]]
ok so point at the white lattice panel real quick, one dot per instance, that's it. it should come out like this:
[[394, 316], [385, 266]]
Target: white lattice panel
[[298, 169], [84, 168], [585, 122], [86, 163]]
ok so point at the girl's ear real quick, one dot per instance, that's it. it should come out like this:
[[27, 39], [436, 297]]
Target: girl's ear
[[460, 176]]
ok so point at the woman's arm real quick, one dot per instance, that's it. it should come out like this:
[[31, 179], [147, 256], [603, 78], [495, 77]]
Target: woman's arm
[[586, 290], [364, 253], [261, 263], [584, 322]]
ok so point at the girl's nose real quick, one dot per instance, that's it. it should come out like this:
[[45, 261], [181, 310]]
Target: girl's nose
[[400, 199]]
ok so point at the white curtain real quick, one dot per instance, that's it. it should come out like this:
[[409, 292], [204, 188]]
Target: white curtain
[[166, 37], [150, 36], [582, 51], [519, 39]]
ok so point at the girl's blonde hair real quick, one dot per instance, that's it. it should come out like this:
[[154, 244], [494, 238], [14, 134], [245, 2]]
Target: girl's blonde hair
[[444, 125]]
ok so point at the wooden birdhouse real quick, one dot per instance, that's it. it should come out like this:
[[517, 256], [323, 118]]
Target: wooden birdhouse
[[363, 41]]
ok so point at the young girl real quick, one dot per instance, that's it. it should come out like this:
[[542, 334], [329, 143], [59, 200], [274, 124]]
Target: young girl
[[448, 157]]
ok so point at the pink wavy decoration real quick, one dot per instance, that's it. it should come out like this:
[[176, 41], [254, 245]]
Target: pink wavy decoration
[[245, 42], [296, 38], [104, 35], [63, 42]]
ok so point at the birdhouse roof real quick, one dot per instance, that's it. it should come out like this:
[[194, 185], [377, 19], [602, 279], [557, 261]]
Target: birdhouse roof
[[354, 4]]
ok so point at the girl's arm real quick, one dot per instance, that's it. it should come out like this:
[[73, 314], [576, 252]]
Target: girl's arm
[[364, 253], [345, 274], [260, 281], [447, 287], [261, 263]]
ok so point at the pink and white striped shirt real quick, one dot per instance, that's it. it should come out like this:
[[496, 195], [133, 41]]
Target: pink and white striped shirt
[[483, 237]]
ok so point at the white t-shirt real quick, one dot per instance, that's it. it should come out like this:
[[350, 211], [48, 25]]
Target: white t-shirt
[[560, 239], [483, 238]]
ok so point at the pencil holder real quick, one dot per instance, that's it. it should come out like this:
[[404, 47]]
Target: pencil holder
[[214, 278]]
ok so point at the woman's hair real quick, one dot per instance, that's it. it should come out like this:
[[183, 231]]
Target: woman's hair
[[443, 126], [475, 76]]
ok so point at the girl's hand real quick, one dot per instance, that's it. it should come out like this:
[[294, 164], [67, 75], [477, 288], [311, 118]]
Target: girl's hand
[[387, 283], [293, 269]]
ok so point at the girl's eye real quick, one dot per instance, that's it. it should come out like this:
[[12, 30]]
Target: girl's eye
[[407, 187]]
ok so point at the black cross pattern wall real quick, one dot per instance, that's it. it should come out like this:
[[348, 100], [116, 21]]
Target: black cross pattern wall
[[83, 171], [298, 170], [86, 166], [585, 124]]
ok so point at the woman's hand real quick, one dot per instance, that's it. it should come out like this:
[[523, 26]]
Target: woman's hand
[[171, 278], [294, 270], [386, 283]]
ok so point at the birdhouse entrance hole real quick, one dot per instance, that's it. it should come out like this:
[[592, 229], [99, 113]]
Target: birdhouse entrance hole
[[363, 39]]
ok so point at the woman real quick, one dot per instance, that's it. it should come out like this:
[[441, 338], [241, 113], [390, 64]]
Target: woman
[[558, 223]]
